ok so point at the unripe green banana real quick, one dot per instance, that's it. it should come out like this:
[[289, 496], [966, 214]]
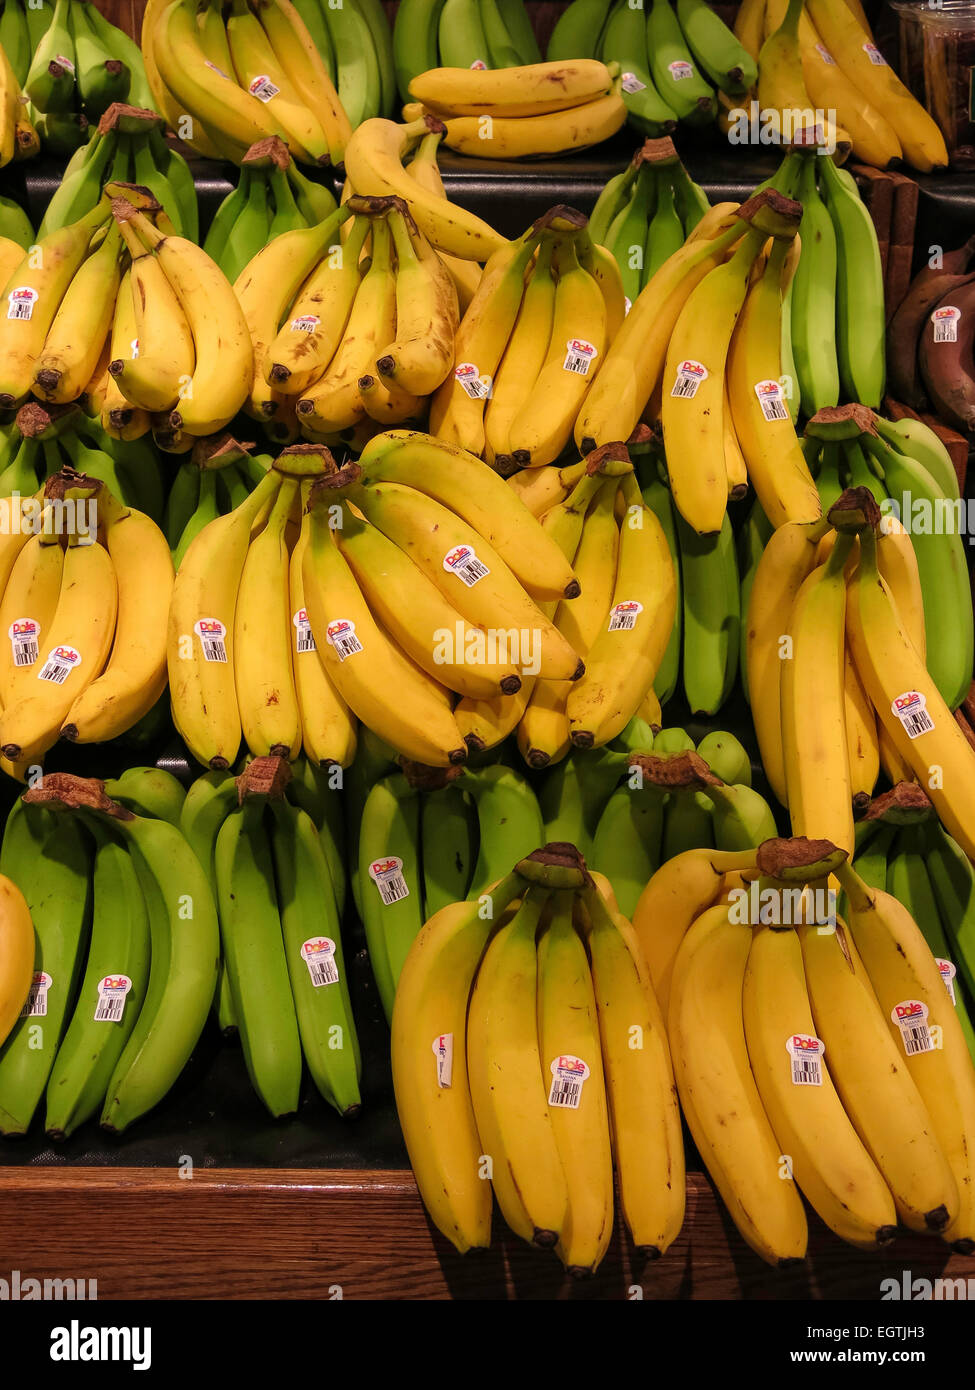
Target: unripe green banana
[[627, 237], [310, 926], [319, 791], [658, 499], [813, 299], [628, 842], [860, 315], [206, 806], [149, 791], [665, 231], [919, 442], [616, 192], [741, 818], [727, 757], [373, 760], [509, 820], [448, 828], [712, 616], [953, 882], [390, 887], [111, 995], [687, 814], [253, 948]]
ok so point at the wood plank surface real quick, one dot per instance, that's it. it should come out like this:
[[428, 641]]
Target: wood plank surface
[[147, 1233]]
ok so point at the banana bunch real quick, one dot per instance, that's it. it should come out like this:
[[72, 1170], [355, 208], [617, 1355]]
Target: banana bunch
[[531, 345], [802, 1038], [646, 213], [532, 1065], [929, 342], [218, 475], [673, 57], [86, 586], [479, 35], [123, 975], [272, 196], [228, 75], [72, 65], [341, 346], [521, 112], [912, 480], [819, 58], [126, 145]]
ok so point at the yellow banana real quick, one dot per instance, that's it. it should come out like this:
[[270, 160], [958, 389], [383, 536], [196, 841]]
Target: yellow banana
[[74, 340], [295, 49], [260, 73], [29, 602], [862, 746], [423, 167], [422, 353], [530, 90], [523, 359], [162, 366], [897, 564], [528, 137]]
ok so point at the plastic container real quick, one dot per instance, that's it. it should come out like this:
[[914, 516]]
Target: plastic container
[[937, 62]]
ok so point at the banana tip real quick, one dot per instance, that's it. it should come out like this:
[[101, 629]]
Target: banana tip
[[545, 1239], [457, 755], [70, 731], [937, 1219]]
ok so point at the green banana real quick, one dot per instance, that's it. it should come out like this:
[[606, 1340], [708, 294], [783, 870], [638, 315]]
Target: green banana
[[673, 70], [179, 177], [375, 16], [658, 499], [919, 442], [373, 760], [206, 806], [613, 197], [741, 817], [390, 896], [310, 926], [254, 952], [752, 540], [49, 859], [314, 21], [317, 790], [249, 233], [860, 314], [501, 50], [150, 175], [149, 791], [665, 230], [287, 217], [688, 822], [578, 30], [111, 993], [519, 26], [225, 217], [953, 882], [81, 186], [727, 757], [624, 41], [15, 224], [712, 616], [813, 299], [627, 237], [207, 510], [509, 821], [50, 83], [690, 198], [460, 33], [727, 63], [357, 65], [314, 199], [448, 831], [182, 502], [415, 43], [102, 77], [871, 861], [15, 38], [628, 842], [121, 46]]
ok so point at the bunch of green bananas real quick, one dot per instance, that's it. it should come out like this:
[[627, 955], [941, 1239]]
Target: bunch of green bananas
[[217, 476], [646, 213], [476, 34], [72, 65]]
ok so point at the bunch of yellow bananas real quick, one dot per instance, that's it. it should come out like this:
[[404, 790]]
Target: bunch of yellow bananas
[[700, 348], [535, 1069], [380, 591], [824, 1059], [85, 584], [222, 87], [521, 112], [351, 329], [817, 59], [531, 345]]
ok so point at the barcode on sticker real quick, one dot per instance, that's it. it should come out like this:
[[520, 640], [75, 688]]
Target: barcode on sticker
[[911, 709], [948, 973], [340, 634], [304, 637], [568, 1076], [631, 83], [945, 322], [690, 374], [20, 302], [307, 323], [911, 1017], [476, 386], [463, 562], [680, 70], [36, 1005], [769, 395], [213, 639], [24, 634], [623, 616], [443, 1050], [805, 1052], [59, 664], [387, 875], [579, 357], [263, 88], [318, 953], [875, 55], [111, 998]]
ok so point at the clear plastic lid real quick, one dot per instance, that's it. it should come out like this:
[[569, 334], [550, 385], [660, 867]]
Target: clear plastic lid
[[948, 14]]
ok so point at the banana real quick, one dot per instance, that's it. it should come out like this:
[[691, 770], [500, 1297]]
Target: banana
[[111, 993], [784, 101], [362, 661], [665, 231], [569, 1051], [389, 880], [319, 979], [15, 40], [723, 57], [531, 137], [711, 616], [374, 166], [135, 673], [457, 407], [358, 77], [814, 299], [50, 82], [415, 48], [915, 1003], [29, 602], [524, 356], [50, 865], [162, 366], [862, 745], [673, 71], [300, 58], [206, 806], [577, 30], [657, 498], [532, 90], [627, 843], [813, 707], [509, 1088], [624, 41], [254, 951], [84, 317], [448, 830], [201, 678], [149, 791], [919, 441], [509, 819], [543, 426], [423, 167], [259, 71], [865, 66], [860, 311], [328, 727], [420, 356], [617, 677], [17, 934], [721, 1102]]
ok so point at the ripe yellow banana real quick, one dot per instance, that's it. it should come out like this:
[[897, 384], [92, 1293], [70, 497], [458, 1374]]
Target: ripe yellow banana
[[528, 137], [531, 90], [153, 378], [422, 353], [30, 599], [296, 51], [74, 340], [423, 167], [259, 71], [897, 564], [782, 93], [523, 359], [862, 746]]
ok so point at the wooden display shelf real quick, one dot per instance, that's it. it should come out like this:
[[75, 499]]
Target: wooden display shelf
[[147, 1233]]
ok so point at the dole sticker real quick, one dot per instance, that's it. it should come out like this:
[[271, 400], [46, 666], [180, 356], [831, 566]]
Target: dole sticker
[[945, 321], [463, 562], [469, 377], [623, 615], [947, 972], [36, 1005], [387, 875], [340, 634], [112, 990], [690, 374], [769, 395], [631, 83], [24, 634], [306, 323], [213, 638], [806, 1052], [680, 69], [59, 665], [569, 1074], [826, 56], [304, 637], [911, 709], [875, 55], [443, 1050], [21, 301], [579, 357], [263, 88], [911, 1017], [318, 953]]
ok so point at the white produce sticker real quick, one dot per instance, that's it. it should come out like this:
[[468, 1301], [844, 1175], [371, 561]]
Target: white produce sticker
[[579, 357], [59, 665], [263, 88], [911, 1017], [387, 875], [463, 562], [911, 709], [569, 1075], [623, 615], [690, 374], [36, 1006], [24, 634], [304, 637], [443, 1050], [318, 953], [213, 638], [875, 55], [806, 1053], [112, 990], [305, 323], [769, 395], [948, 973], [945, 321], [680, 70], [826, 56], [631, 83], [478, 65], [60, 58], [340, 634], [470, 380], [21, 301]]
